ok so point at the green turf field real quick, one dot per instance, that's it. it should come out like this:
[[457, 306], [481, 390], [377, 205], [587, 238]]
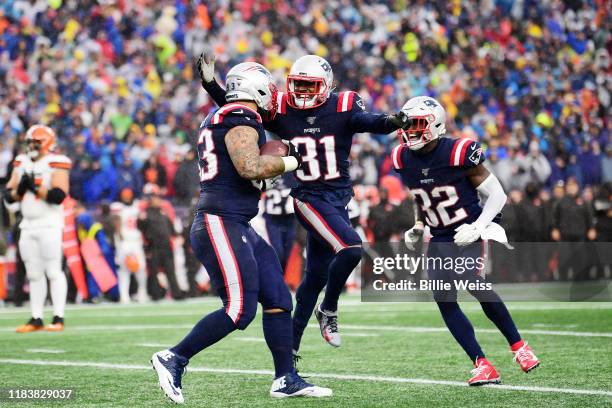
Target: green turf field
[[393, 355]]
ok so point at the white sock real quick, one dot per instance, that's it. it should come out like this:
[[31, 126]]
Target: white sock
[[59, 290], [124, 285], [38, 295]]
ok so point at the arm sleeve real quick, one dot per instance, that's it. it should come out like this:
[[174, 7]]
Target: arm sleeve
[[492, 189], [361, 120], [216, 92]]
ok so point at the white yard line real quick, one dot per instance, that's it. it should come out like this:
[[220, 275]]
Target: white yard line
[[563, 326], [250, 339], [362, 327], [418, 329], [357, 334], [155, 345], [348, 304], [45, 351], [348, 377]]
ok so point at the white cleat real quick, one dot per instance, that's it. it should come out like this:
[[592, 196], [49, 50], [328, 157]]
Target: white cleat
[[328, 322], [292, 385], [170, 369]]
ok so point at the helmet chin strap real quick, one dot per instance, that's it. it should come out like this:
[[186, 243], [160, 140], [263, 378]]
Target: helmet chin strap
[[33, 154]]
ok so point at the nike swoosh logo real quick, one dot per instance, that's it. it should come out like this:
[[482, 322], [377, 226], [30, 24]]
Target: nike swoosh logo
[[473, 146]]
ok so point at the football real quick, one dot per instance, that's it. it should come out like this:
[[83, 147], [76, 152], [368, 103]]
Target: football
[[273, 148]]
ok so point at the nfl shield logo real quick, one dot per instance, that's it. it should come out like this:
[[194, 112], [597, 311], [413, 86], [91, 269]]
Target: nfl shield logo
[[425, 172], [311, 119]]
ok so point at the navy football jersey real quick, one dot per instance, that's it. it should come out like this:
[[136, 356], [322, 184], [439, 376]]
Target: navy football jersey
[[323, 136], [277, 200], [222, 191], [439, 182]]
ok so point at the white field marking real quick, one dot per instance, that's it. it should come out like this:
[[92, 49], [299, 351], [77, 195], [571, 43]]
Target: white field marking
[[349, 306], [563, 326], [115, 327], [419, 329], [349, 377], [46, 351], [472, 306], [363, 327], [360, 334], [350, 302], [155, 345], [253, 339], [118, 306]]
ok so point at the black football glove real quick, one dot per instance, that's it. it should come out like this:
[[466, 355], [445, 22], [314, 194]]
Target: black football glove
[[400, 119], [205, 65], [26, 183], [292, 151]]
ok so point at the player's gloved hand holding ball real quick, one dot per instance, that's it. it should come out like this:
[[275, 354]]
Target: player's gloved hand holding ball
[[205, 65], [292, 152], [468, 233], [413, 235]]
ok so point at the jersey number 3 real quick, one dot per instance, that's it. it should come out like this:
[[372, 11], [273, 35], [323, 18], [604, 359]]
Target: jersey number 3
[[311, 163], [440, 212], [209, 165]]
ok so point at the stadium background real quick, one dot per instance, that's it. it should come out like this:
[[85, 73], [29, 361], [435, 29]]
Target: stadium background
[[529, 80]]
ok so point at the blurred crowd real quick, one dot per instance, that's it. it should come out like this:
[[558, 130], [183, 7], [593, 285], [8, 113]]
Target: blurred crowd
[[530, 79]]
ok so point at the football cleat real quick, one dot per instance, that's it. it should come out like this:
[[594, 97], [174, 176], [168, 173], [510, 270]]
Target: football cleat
[[170, 369], [328, 322], [292, 385], [525, 357], [484, 373], [31, 326], [56, 325]]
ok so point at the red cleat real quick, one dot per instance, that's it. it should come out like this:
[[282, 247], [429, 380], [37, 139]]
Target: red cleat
[[484, 373], [525, 357]]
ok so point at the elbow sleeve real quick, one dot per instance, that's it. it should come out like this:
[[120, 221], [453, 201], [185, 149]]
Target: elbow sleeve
[[55, 196], [492, 189]]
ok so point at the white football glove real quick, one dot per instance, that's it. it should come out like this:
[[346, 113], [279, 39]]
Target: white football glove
[[263, 185], [468, 233], [206, 67], [413, 235]]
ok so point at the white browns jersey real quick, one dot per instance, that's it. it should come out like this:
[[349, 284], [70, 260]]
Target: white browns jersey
[[129, 218], [37, 212]]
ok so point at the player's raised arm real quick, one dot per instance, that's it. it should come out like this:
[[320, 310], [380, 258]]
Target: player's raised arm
[[491, 189], [364, 121], [241, 142], [205, 65]]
